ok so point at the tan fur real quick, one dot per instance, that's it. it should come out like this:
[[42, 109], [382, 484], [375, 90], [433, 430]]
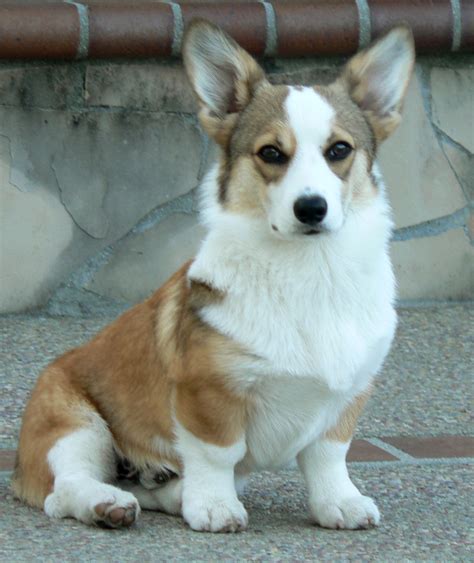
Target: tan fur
[[354, 80], [263, 119], [280, 135], [240, 136], [56, 408], [344, 429], [155, 357], [353, 128], [350, 123], [362, 187], [245, 178], [240, 198], [210, 410], [341, 168]]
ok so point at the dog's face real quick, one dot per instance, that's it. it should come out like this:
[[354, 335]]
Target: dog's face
[[298, 157]]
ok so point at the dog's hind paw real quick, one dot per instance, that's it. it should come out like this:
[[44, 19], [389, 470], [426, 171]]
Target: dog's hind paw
[[112, 515], [92, 502]]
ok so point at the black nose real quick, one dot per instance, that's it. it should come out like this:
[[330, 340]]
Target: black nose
[[310, 210]]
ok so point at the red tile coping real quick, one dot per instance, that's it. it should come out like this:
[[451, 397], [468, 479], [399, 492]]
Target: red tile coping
[[94, 29], [143, 30], [361, 450], [47, 31], [326, 28], [434, 447], [431, 25], [246, 23]]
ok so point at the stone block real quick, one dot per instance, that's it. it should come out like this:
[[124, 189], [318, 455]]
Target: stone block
[[438, 267], [462, 163], [111, 168], [452, 97], [75, 181], [420, 182], [301, 71], [104, 170], [161, 86], [143, 262], [53, 86], [35, 230], [40, 245]]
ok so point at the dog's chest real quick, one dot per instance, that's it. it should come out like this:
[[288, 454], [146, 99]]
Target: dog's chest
[[307, 333], [285, 415], [309, 312]]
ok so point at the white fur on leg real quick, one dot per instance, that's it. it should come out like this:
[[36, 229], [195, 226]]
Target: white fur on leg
[[335, 502], [81, 462], [210, 500]]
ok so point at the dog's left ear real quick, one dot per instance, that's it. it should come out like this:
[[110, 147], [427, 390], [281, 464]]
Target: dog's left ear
[[223, 75], [377, 79]]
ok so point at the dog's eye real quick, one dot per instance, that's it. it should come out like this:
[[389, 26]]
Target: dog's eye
[[272, 155], [338, 151]]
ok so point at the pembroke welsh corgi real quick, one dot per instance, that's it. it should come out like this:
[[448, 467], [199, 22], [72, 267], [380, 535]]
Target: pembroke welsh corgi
[[262, 349]]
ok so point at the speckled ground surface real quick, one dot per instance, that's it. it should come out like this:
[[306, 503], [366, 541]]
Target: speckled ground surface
[[427, 512], [426, 389]]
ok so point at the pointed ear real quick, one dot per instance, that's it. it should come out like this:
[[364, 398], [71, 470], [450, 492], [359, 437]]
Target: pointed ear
[[377, 79], [222, 74]]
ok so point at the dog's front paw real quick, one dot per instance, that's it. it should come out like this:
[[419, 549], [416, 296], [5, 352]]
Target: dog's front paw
[[350, 513], [215, 515]]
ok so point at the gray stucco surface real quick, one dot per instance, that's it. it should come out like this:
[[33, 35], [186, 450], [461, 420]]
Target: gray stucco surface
[[99, 161]]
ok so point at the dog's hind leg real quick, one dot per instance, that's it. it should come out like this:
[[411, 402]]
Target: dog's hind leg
[[65, 457], [166, 498], [81, 463]]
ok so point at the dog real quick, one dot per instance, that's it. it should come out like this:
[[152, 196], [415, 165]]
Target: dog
[[262, 349]]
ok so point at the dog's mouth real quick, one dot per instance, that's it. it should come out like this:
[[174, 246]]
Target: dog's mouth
[[299, 232]]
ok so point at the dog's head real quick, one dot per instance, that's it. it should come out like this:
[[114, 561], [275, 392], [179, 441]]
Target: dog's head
[[298, 157]]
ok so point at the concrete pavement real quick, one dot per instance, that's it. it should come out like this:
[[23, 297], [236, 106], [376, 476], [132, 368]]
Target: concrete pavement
[[424, 488]]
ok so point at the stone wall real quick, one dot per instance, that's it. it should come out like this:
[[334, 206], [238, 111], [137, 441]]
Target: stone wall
[[99, 164]]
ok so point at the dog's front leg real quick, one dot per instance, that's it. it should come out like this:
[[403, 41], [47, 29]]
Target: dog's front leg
[[335, 502], [211, 442]]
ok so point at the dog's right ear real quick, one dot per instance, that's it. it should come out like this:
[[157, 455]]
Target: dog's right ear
[[223, 75], [377, 79]]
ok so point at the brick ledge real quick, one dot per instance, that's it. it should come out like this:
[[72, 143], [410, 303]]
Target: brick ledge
[[82, 30], [389, 449]]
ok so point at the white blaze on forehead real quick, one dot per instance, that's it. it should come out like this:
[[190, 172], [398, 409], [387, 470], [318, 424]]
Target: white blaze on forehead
[[310, 116]]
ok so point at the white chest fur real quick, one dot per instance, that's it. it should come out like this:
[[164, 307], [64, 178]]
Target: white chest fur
[[315, 316], [287, 415], [288, 412], [306, 308]]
